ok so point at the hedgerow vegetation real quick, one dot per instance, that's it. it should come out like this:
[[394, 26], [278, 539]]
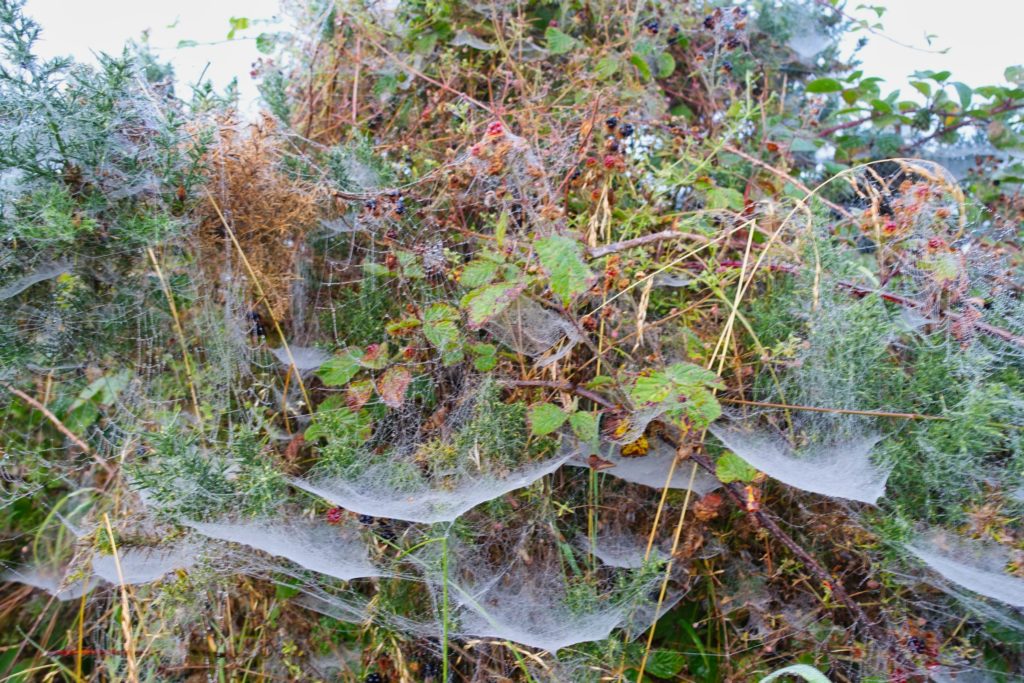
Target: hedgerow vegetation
[[535, 341]]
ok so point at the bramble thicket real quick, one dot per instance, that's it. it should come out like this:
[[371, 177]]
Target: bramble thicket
[[533, 341]]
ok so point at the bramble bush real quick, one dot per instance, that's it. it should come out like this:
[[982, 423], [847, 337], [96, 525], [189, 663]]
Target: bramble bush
[[541, 342]]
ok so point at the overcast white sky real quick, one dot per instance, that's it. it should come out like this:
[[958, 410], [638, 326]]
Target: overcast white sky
[[984, 36]]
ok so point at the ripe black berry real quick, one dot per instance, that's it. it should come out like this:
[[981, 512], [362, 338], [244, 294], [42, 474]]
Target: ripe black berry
[[653, 26], [611, 122], [709, 22], [626, 130], [373, 678], [365, 519], [727, 66]]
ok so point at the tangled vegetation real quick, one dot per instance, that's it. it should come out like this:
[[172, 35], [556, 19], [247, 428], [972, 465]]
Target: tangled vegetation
[[535, 341]]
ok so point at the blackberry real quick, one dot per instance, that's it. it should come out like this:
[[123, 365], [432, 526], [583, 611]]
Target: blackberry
[[611, 122], [365, 519], [373, 678], [653, 26], [626, 130], [431, 669]]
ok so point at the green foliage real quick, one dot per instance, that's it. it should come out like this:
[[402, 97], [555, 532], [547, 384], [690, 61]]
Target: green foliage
[[346, 433], [562, 259], [558, 42], [484, 303], [684, 388], [731, 467], [546, 418]]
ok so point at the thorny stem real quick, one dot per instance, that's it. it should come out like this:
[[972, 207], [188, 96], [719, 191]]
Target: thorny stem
[[562, 386], [604, 250]]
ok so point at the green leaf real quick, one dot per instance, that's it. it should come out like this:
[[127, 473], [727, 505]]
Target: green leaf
[[558, 42], [483, 303], [731, 467], [265, 42], [964, 92], [725, 198], [102, 391], [500, 229], [808, 673], [641, 65], [478, 273], [653, 388], [237, 24], [606, 67], [546, 418], [584, 426], [378, 269], [688, 375], [881, 106], [187, 43], [441, 328], [562, 258], [922, 87], [666, 65], [665, 663], [702, 407], [1014, 74], [485, 356], [80, 418], [340, 369], [824, 85]]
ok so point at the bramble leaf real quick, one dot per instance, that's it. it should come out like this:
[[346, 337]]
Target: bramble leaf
[[562, 259], [546, 418], [483, 303], [340, 369], [558, 41], [731, 467], [393, 384], [441, 328]]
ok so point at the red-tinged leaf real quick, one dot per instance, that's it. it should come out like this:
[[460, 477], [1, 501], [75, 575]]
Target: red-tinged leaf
[[358, 394], [392, 386]]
